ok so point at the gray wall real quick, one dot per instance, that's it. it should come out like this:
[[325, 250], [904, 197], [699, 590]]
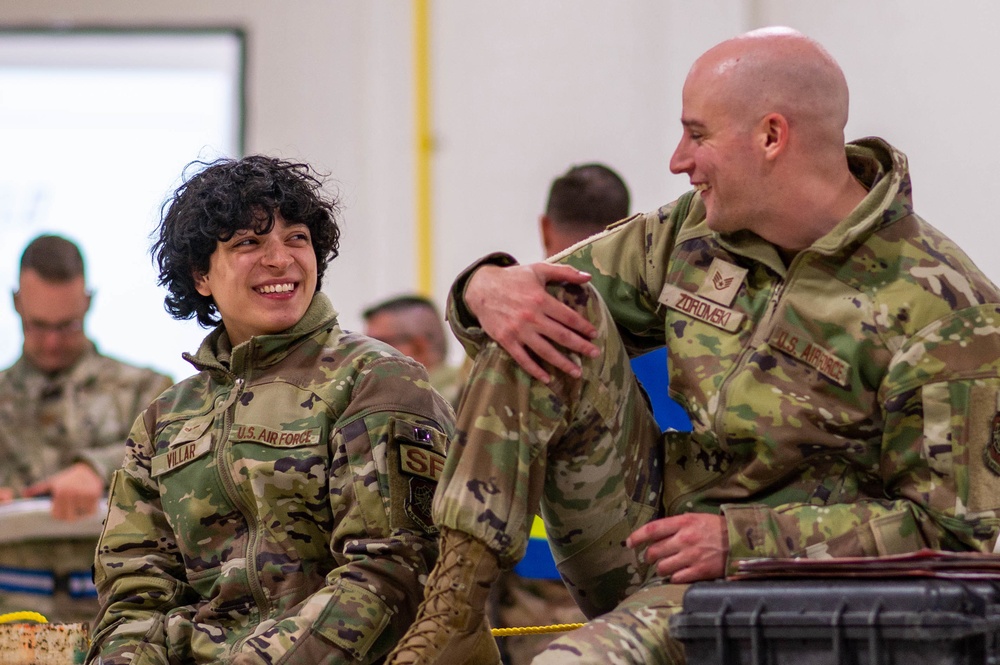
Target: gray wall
[[523, 89]]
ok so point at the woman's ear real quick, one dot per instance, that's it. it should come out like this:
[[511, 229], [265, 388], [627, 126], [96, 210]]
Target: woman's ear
[[201, 283]]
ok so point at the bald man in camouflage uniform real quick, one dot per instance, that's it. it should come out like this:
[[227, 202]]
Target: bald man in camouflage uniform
[[839, 357], [274, 507]]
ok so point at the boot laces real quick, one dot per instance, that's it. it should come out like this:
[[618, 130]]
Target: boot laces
[[437, 610]]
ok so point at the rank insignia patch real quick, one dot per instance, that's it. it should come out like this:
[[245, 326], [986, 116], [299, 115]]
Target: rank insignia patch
[[723, 282]]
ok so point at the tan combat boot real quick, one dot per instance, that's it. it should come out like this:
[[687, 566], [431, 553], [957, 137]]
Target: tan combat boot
[[451, 626]]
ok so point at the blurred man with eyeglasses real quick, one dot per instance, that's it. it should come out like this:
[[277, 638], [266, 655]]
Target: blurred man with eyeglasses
[[65, 408], [65, 412]]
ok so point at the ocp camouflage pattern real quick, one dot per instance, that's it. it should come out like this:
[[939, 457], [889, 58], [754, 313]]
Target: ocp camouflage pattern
[[586, 451], [275, 506], [843, 405], [850, 414], [448, 381], [48, 422]]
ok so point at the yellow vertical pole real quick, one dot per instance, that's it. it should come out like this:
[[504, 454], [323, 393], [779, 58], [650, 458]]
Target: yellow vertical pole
[[424, 146]]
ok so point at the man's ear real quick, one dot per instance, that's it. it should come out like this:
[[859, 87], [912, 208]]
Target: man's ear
[[17, 301], [548, 242], [773, 133], [421, 349], [90, 299]]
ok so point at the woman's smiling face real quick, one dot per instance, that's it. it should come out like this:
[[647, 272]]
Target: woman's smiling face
[[261, 283]]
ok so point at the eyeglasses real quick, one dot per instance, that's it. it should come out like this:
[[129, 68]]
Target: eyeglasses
[[395, 340], [64, 328], [70, 327]]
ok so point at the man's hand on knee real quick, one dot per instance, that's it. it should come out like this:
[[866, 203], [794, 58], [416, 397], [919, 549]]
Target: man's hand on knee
[[516, 311], [685, 548]]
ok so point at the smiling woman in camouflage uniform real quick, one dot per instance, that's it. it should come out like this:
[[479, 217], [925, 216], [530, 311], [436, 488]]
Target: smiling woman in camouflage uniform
[[274, 506]]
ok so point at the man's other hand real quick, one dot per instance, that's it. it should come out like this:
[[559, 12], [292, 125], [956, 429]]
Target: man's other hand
[[685, 548], [75, 491]]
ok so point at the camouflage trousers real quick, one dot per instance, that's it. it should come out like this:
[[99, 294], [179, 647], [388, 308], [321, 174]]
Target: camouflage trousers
[[587, 453]]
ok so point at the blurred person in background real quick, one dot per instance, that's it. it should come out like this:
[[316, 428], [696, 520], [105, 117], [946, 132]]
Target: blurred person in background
[[414, 326], [65, 410], [582, 202]]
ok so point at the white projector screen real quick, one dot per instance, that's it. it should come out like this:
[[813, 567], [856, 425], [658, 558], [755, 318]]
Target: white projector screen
[[96, 128]]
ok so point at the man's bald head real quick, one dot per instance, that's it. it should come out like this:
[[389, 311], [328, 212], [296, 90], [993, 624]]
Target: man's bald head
[[779, 70], [763, 141]]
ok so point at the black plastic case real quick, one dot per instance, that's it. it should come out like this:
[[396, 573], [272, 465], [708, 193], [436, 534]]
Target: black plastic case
[[907, 621]]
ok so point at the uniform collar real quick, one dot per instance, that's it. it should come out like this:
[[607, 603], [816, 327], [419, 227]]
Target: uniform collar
[[216, 351], [880, 167], [24, 370]]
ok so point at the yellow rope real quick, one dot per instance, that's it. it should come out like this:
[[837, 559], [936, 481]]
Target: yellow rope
[[18, 617], [535, 630]]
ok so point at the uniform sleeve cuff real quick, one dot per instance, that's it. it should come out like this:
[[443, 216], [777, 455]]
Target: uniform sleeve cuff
[[463, 323], [751, 534]]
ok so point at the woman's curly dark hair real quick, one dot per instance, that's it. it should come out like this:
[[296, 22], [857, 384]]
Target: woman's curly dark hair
[[224, 197]]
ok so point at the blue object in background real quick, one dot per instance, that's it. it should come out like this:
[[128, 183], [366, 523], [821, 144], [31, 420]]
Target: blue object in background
[[651, 370], [537, 563]]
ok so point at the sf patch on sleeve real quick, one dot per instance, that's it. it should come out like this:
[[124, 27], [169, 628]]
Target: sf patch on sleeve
[[416, 461]]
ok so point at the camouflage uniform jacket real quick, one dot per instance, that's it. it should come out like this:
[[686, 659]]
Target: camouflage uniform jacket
[[48, 422], [845, 404], [275, 505]]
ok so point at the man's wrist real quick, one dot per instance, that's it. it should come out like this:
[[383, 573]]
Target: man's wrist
[[464, 317]]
